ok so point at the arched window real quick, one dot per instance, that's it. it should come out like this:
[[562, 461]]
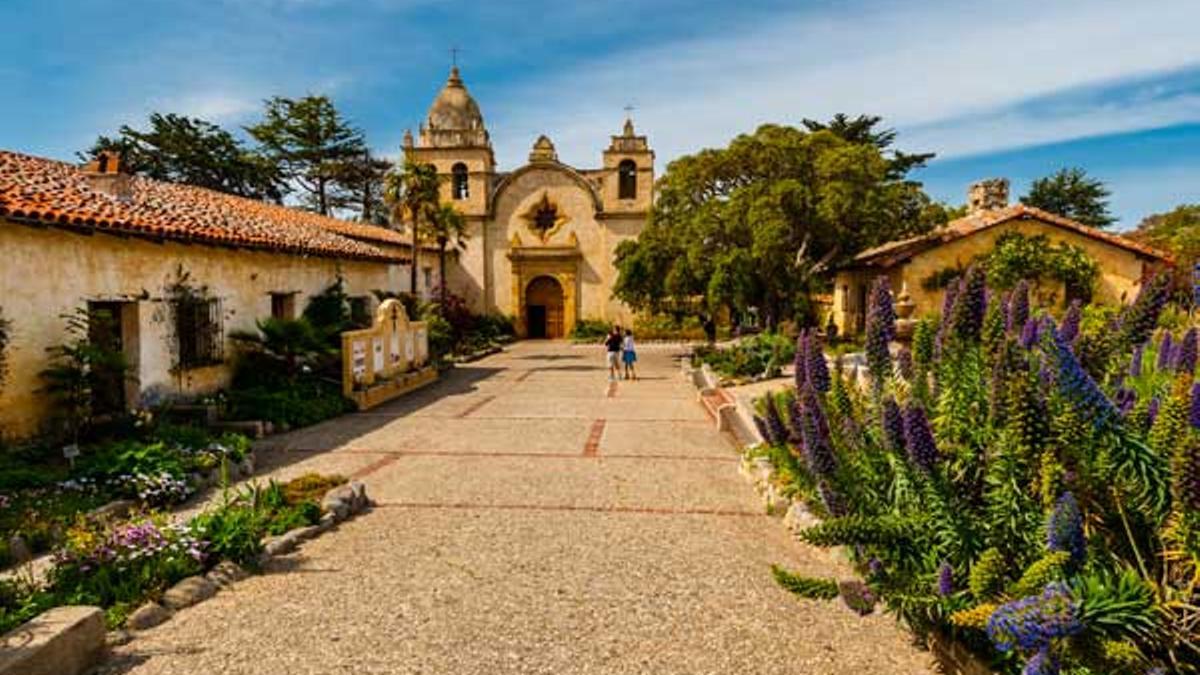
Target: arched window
[[460, 186], [627, 179]]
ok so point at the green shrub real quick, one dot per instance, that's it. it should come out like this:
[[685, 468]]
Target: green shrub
[[763, 354], [590, 330], [310, 487], [305, 404]]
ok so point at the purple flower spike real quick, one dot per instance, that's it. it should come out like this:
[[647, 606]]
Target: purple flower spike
[[1124, 399], [1152, 410], [904, 363], [1076, 383], [881, 330], [893, 424], [1018, 306], [1194, 408], [1135, 362], [1185, 354], [800, 363], [1071, 320], [1187, 477], [966, 316], [1041, 663], [1166, 351], [777, 433], [1031, 623], [918, 439], [1029, 334], [1139, 319], [815, 367], [814, 434], [945, 583], [1064, 531]]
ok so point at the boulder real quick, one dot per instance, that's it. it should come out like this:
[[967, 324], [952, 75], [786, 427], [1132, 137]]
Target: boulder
[[60, 641], [281, 545], [189, 592], [147, 616], [246, 466], [226, 573], [113, 510]]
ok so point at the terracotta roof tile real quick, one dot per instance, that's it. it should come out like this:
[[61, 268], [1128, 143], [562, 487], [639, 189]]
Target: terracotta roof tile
[[57, 193], [901, 250]]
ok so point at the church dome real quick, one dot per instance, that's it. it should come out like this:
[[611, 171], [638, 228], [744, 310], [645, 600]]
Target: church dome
[[454, 109]]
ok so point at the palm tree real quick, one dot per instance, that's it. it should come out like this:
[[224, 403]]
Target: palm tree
[[412, 194], [447, 225]]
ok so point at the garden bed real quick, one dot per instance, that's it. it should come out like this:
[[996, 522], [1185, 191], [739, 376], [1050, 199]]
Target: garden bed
[[121, 565]]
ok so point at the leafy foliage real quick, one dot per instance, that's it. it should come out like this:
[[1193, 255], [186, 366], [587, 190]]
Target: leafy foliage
[[77, 369], [762, 354], [181, 149], [310, 145]]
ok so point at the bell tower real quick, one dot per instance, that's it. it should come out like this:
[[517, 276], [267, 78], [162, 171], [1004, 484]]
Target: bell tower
[[453, 138], [628, 172]]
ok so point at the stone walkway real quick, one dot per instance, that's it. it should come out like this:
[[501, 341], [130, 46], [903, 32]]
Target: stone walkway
[[531, 519]]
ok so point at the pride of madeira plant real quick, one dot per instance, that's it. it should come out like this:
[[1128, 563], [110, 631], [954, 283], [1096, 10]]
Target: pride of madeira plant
[[1028, 488]]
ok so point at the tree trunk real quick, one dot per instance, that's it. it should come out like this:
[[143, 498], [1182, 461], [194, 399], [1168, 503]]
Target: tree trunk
[[442, 274], [412, 286], [322, 205]]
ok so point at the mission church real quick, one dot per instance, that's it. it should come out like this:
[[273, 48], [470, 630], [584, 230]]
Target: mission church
[[541, 238]]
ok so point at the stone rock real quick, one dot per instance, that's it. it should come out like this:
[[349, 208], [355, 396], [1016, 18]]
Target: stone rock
[[60, 641], [246, 466], [358, 492], [798, 517], [214, 476], [304, 533], [281, 545], [113, 510], [339, 501], [328, 520], [18, 550], [189, 592], [148, 615], [116, 638], [226, 573]]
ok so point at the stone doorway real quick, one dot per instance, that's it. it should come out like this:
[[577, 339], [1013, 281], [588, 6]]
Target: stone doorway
[[544, 307]]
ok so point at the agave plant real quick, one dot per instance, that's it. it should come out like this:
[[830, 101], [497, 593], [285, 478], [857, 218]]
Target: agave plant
[[1021, 488]]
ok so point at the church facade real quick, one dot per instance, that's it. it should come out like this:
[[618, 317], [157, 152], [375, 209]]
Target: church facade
[[542, 237]]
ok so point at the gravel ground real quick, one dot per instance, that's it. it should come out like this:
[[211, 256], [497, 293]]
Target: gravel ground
[[501, 545]]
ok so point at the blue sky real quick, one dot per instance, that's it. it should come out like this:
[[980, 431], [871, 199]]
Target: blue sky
[[1014, 89]]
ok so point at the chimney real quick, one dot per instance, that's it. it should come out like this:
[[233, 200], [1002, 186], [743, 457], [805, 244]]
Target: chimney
[[987, 195], [104, 175]]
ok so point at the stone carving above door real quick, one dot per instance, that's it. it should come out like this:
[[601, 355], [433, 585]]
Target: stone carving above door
[[544, 218]]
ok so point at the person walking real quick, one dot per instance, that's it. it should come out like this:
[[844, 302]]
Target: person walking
[[629, 356], [612, 346]]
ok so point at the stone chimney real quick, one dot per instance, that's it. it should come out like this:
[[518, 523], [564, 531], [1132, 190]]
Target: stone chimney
[[104, 175], [987, 195]]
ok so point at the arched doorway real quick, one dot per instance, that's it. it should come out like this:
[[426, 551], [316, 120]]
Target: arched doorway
[[544, 308]]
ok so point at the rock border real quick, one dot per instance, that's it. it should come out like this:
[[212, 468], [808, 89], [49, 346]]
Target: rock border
[[338, 504], [66, 640]]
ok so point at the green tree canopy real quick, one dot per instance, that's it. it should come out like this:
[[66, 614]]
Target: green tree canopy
[[311, 144], [757, 222], [1072, 193], [189, 150]]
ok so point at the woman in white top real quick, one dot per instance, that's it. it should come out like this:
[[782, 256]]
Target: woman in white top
[[629, 356]]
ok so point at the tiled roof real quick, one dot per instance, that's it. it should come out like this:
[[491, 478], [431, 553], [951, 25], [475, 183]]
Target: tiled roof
[[899, 251], [57, 193]]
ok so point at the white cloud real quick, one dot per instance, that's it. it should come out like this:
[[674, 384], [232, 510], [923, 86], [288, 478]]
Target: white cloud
[[953, 72]]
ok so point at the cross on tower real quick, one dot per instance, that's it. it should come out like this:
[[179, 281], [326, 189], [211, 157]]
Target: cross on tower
[[454, 56], [628, 110]]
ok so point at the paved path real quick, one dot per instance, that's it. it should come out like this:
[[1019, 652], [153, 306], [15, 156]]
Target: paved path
[[531, 519]]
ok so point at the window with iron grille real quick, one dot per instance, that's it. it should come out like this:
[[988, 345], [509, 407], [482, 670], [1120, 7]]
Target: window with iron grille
[[198, 329]]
